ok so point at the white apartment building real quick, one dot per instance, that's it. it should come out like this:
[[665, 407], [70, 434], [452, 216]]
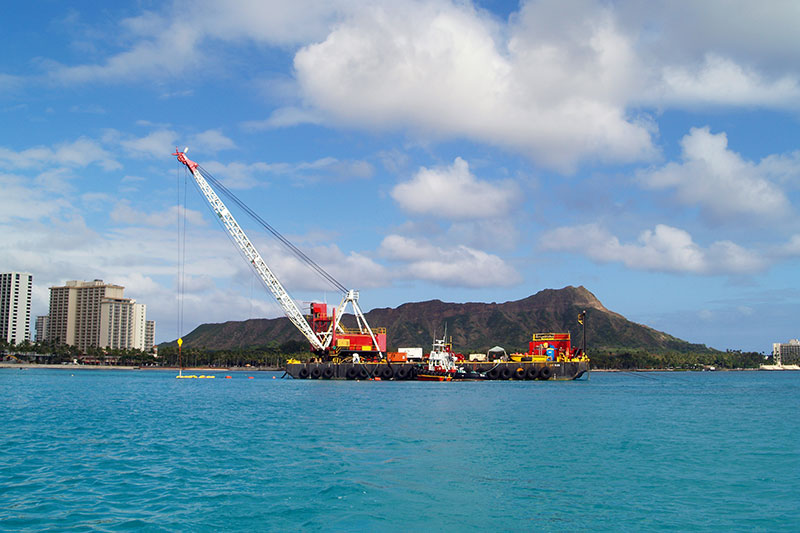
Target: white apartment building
[[116, 323], [139, 326], [123, 324], [787, 352], [15, 306]]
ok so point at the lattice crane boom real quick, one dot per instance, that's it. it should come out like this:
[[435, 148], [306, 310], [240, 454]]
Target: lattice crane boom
[[246, 246]]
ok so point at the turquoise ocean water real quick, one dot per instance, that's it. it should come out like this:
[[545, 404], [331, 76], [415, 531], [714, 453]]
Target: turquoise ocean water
[[139, 450]]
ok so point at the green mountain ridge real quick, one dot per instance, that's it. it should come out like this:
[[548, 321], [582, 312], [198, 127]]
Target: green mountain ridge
[[474, 327]]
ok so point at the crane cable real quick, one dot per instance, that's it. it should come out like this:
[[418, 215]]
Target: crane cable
[[180, 282], [283, 240]]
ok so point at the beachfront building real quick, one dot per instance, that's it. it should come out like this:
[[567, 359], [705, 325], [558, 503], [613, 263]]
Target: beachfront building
[[123, 324], [116, 323], [786, 353], [149, 335], [75, 312], [15, 306], [96, 314], [41, 328]]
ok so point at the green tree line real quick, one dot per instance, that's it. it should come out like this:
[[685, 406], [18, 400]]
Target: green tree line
[[641, 359]]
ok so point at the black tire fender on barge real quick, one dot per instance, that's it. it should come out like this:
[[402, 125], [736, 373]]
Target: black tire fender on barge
[[327, 373], [351, 373], [401, 373], [520, 373], [505, 372], [494, 373], [386, 372], [315, 373], [303, 373], [532, 372], [545, 373]]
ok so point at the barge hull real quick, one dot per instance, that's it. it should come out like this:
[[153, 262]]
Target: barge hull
[[559, 371]]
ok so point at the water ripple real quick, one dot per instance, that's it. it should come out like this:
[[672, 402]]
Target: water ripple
[[121, 451]]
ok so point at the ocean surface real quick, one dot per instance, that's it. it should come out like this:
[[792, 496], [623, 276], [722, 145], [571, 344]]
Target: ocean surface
[[94, 450]]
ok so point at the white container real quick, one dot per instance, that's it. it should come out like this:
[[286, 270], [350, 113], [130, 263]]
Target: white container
[[412, 353]]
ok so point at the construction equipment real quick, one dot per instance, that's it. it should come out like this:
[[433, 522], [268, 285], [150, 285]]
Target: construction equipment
[[327, 335]]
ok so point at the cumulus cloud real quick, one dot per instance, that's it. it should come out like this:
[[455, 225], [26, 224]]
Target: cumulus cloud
[[562, 81], [166, 44], [124, 213], [79, 153], [721, 81], [9, 83], [155, 144], [791, 248], [22, 202], [211, 141], [284, 117], [720, 180], [239, 175], [500, 233], [454, 193], [663, 249], [457, 266], [444, 69]]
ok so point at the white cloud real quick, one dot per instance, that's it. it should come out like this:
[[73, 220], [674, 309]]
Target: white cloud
[[9, 83], [124, 213], [333, 167], [239, 175], [748, 33], [791, 248], [79, 153], [21, 201], [455, 193], [445, 70], [457, 266], [664, 249], [211, 141], [562, 81], [501, 233], [155, 144], [284, 117], [168, 43], [721, 81], [720, 180]]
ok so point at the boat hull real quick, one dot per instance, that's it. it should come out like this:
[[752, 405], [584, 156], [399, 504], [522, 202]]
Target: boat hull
[[558, 371]]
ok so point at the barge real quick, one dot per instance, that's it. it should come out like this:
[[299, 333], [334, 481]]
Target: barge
[[549, 357], [472, 370]]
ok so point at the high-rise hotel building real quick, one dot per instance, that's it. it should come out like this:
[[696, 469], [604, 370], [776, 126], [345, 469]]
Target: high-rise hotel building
[[96, 314], [15, 306]]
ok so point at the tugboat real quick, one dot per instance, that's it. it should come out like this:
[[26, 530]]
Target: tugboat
[[441, 363]]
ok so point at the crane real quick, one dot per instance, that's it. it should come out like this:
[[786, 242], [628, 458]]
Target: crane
[[326, 334]]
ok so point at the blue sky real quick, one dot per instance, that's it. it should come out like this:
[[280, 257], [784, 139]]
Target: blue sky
[[417, 150]]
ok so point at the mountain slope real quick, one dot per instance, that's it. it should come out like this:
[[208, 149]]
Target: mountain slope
[[474, 327]]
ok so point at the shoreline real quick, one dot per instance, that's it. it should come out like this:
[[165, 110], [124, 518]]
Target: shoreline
[[73, 366]]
